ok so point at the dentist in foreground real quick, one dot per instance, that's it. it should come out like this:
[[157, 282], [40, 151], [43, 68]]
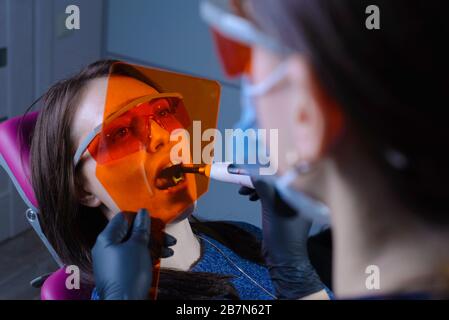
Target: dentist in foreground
[[362, 139]]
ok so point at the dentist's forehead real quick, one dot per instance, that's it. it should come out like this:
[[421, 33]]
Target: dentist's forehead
[[121, 90]]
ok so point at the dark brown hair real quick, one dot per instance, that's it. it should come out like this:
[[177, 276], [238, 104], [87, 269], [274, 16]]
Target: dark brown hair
[[72, 228], [392, 83]]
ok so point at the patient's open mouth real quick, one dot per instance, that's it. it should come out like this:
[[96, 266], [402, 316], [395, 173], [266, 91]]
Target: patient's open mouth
[[169, 177]]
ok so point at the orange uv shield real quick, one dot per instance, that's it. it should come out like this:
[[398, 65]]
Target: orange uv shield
[[143, 106]]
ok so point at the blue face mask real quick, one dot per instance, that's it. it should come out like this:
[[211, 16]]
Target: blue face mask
[[247, 121], [248, 115]]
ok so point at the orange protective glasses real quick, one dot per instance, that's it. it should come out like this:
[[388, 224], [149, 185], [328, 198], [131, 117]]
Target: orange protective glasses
[[129, 129]]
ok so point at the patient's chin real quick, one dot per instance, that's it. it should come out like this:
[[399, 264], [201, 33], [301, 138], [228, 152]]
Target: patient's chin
[[184, 214]]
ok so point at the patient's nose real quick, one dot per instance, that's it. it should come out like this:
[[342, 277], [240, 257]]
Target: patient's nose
[[158, 137]]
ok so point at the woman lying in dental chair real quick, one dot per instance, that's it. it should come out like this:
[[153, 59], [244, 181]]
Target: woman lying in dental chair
[[99, 146]]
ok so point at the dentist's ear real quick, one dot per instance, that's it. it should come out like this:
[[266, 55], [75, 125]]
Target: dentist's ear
[[319, 118]]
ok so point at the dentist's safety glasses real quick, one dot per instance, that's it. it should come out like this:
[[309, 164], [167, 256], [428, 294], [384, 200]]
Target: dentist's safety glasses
[[134, 143], [234, 34]]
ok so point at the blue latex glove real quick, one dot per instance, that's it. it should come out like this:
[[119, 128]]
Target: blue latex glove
[[122, 262], [285, 235]]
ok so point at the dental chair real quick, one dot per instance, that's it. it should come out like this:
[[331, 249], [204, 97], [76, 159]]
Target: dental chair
[[15, 143]]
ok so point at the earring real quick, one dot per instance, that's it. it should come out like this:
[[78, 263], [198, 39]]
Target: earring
[[300, 166], [292, 157], [303, 167]]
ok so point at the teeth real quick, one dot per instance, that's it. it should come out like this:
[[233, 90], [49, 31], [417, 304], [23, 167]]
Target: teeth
[[169, 176], [176, 180]]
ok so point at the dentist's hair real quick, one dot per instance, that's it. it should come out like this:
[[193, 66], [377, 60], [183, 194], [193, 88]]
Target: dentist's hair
[[392, 83]]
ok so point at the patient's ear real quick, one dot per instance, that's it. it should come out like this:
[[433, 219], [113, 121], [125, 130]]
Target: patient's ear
[[84, 196], [88, 199]]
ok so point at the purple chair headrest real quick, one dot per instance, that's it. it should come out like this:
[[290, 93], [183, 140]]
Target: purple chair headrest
[[15, 143]]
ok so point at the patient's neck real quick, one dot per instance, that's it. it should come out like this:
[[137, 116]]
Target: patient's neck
[[187, 249]]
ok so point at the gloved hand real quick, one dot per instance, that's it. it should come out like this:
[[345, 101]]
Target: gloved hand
[[285, 235], [122, 262]]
